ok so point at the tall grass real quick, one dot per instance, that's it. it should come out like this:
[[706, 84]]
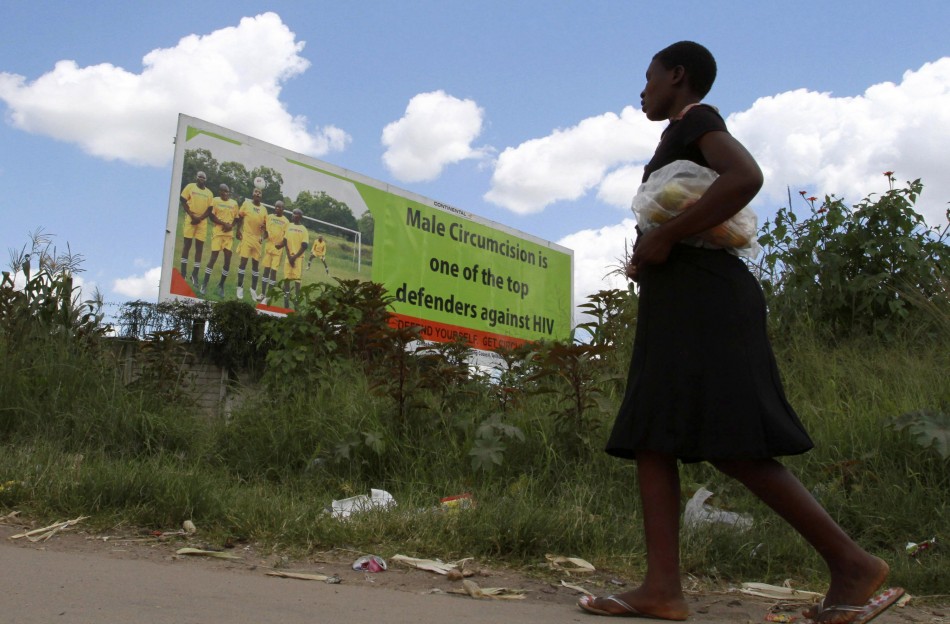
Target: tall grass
[[76, 440]]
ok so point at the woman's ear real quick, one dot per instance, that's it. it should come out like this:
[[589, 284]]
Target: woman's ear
[[679, 75]]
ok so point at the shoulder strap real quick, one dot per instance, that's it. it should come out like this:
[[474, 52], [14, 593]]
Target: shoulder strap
[[687, 108]]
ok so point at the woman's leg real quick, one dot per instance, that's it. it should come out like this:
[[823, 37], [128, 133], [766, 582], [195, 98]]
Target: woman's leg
[[855, 574], [661, 594]]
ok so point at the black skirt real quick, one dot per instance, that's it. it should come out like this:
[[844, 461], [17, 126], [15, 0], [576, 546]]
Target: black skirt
[[703, 383]]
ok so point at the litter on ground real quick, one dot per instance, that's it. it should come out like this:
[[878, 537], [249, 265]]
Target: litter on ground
[[570, 565], [775, 592], [470, 588], [576, 588], [377, 499], [457, 502], [197, 552], [430, 565], [41, 535], [306, 577], [914, 548], [370, 563], [698, 513]]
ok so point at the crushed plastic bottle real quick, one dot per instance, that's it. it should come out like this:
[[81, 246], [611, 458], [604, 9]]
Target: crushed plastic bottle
[[370, 563], [914, 549]]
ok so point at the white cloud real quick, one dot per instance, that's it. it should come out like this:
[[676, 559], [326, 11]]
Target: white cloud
[[87, 291], [437, 130], [231, 77], [619, 186], [568, 163], [140, 286], [598, 254], [802, 139], [842, 146]]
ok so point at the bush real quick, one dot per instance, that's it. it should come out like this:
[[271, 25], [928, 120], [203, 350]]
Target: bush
[[868, 271]]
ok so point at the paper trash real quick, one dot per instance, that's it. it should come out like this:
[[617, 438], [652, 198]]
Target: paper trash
[[698, 513], [376, 499]]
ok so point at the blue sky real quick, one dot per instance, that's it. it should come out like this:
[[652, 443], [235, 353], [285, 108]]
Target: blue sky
[[525, 113]]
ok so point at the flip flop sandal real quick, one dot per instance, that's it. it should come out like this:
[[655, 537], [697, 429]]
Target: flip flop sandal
[[586, 603], [863, 614]]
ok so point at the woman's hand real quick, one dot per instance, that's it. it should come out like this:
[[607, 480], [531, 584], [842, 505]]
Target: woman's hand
[[652, 247]]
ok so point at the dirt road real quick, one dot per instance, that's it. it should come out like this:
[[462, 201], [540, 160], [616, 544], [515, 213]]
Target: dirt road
[[76, 578]]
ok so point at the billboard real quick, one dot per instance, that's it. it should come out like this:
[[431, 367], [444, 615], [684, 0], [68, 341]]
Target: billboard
[[253, 221]]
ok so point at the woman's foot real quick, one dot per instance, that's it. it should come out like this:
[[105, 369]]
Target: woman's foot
[[854, 585], [638, 603]]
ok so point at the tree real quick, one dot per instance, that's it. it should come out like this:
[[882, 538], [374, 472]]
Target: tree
[[367, 226], [235, 175], [325, 208], [198, 160], [273, 182]]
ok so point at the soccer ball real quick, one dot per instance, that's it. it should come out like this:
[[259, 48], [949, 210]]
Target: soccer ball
[[260, 183]]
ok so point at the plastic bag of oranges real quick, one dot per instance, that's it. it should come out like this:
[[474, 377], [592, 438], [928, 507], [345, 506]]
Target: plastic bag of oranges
[[672, 189]]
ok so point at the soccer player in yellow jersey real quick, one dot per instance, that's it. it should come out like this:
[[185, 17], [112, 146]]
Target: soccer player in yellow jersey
[[250, 231], [319, 250], [195, 201], [274, 227], [295, 242], [224, 211]]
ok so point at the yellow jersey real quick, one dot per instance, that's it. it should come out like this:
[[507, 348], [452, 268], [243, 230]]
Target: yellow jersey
[[296, 236], [253, 224], [225, 210], [198, 199], [276, 227], [319, 248]]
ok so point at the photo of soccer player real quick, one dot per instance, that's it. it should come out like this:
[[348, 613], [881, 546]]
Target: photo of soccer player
[[274, 228], [195, 201], [262, 192], [295, 242], [250, 232], [224, 211], [319, 250]]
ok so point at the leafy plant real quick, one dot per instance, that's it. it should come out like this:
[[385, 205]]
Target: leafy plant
[[928, 428], [509, 383], [612, 316], [488, 448], [613, 324], [163, 374], [48, 300], [234, 338], [444, 369], [395, 371], [848, 271], [140, 319], [346, 319], [573, 373]]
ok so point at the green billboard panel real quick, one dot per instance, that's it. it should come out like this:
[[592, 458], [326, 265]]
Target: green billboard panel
[[231, 234]]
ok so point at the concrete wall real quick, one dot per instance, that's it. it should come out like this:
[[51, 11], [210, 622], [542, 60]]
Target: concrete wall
[[208, 384]]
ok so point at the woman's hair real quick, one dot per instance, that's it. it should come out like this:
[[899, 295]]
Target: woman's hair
[[698, 62]]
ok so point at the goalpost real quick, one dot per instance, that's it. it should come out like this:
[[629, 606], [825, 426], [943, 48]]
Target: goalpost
[[357, 236]]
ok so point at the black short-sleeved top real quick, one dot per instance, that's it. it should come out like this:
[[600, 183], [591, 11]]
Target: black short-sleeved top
[[680, 139]]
